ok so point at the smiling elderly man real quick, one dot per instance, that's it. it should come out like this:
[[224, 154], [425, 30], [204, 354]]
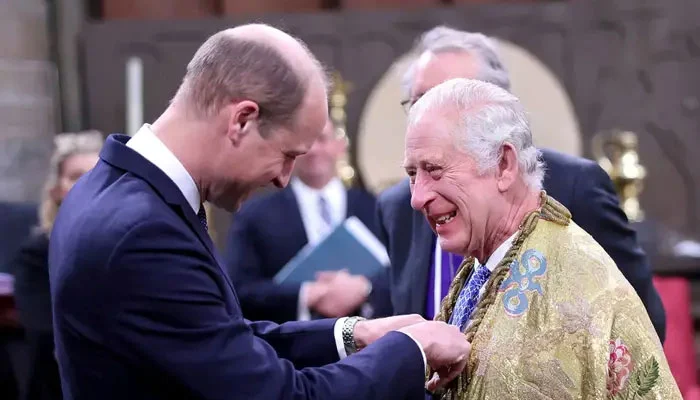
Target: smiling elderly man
[[546, 310]]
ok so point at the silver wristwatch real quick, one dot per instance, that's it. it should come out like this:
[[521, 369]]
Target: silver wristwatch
[[349, 334]]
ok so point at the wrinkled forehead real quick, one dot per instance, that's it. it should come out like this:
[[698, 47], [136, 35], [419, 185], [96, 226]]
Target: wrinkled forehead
[[430, 133], [433, 69]]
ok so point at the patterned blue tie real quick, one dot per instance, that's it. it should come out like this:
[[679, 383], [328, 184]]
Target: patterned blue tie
[[202, 215], [468, 297], [325, 211]]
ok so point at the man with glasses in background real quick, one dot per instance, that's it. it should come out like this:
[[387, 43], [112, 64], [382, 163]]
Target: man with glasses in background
[[421, 271]]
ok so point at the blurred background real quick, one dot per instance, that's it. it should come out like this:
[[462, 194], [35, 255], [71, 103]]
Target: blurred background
[[615, 81]]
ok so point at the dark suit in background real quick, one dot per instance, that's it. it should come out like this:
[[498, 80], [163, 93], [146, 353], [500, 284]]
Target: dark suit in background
[[265, 234], [33, 299], [579, 184], [144, 309], [16, 222]]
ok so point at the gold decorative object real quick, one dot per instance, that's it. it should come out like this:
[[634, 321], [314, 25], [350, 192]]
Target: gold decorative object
[[338, 101], [616, 152]]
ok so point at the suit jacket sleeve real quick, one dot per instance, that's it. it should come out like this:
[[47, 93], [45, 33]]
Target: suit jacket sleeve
[[598, 212], [259, 296], [172, 316]]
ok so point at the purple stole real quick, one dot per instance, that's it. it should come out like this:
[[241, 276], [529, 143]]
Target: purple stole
[[448, 269]]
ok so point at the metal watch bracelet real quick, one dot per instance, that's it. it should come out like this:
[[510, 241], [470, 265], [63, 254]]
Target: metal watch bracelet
[[349, 334]]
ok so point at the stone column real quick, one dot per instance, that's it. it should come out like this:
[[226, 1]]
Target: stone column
[[28, 87]]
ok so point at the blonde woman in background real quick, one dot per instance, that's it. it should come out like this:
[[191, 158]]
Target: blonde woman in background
[[74, 155]]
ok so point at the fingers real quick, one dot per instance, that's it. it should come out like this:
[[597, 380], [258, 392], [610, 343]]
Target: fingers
[[432, 384], [447, 374], [328, 276], [325, 276]]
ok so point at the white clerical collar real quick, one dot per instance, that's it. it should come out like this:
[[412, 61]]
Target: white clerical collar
[[499, 253], [147, 144]]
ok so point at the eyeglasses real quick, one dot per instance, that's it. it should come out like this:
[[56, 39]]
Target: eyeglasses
[[408, 103]]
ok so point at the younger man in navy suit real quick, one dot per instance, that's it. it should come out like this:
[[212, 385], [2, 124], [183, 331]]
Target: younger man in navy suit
[[269, 230], [142, 305]]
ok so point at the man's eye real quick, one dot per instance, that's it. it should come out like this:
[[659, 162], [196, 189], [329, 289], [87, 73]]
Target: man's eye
[[434, 171], [411, 176]]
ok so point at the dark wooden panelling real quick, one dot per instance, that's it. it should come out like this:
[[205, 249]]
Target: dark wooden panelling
[[626, 64], [237, 8], [159, 9], [379, 4]]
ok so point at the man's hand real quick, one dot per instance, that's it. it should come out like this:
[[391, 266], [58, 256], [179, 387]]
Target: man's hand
[[445, 348], [338, 294], [314, 292], [366, 332]]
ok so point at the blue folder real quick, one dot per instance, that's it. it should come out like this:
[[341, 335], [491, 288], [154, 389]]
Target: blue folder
[[350, 246]]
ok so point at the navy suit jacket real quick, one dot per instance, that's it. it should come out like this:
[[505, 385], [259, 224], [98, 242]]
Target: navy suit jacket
[[579, 184], [265, 234], [143, 308]]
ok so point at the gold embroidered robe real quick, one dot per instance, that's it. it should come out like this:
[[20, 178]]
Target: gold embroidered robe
[[564, 324]]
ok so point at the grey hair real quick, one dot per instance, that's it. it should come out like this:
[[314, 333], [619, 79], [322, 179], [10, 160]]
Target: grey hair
[[65, 146], [228, 67], [443, 39], [488, 117]]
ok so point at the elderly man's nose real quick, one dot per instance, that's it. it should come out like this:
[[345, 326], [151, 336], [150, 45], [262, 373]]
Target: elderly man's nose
[[420, 194]]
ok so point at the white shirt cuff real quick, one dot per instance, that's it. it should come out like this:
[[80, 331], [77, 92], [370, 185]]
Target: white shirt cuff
[[422, 353], [338, 335], [303, 312]]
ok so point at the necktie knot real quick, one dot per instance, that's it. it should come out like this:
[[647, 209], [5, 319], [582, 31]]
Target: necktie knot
[[202, 215]]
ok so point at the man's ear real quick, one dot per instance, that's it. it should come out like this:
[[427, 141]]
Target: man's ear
[[507, 169], [243, 120]]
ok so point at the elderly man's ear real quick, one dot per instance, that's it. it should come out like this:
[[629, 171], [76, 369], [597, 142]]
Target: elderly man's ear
[[508, 168]]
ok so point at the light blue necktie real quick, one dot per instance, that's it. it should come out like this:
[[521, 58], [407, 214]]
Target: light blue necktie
[[325, 212], [468, 297]]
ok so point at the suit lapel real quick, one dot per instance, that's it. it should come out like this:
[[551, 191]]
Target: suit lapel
[[420, 260], [291, 209], [116, 153], [350, 203]]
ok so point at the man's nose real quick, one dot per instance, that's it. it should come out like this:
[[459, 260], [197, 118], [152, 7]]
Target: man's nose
[[421, 194], [282, 180]]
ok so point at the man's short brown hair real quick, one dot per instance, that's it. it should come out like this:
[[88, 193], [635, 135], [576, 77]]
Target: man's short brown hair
[[227, 68]]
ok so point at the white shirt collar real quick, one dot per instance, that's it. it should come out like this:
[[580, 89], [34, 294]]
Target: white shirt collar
[[307, 200], [499, 253], [331, 189], [147, 144]]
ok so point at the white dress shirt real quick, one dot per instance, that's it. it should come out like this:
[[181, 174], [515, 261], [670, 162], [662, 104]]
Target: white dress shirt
[[316, 229], [147, 144], [491, 264], [308, 200]]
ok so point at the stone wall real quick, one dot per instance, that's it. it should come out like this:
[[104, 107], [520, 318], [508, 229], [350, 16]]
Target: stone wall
[[28, 85]]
